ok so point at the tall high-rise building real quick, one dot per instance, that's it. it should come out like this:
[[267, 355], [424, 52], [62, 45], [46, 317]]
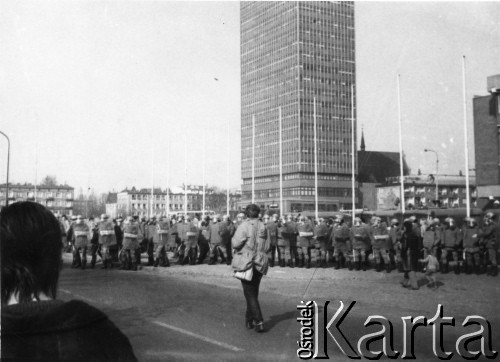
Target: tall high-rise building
[[487, 139], [297, 58]]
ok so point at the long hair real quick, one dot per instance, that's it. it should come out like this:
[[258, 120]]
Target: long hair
[[31, 251]]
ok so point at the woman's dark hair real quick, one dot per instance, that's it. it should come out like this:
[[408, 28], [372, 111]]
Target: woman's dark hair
[[31, 251], [252, 211]]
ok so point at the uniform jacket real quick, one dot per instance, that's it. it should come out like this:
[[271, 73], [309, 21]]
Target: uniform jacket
[[322, 231], [106, 231], [361, 237], [214, 233], [470, 237], [81, 235], [451, 238], [252, 236], [306, 233], [431, 238], [272, 232], [192, 234], [289, 231], [131, 234], [381, 238], [488, 236], [340, 234], [61, 331]]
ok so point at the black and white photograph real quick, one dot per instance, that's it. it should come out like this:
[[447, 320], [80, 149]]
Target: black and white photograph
[[249, 180]]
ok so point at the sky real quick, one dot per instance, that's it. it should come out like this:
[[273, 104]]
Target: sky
[[107, 95]]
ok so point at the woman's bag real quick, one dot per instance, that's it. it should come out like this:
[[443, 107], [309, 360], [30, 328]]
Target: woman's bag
[[244, 275]]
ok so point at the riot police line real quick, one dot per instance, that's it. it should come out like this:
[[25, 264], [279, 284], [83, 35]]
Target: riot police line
[[296, 241]]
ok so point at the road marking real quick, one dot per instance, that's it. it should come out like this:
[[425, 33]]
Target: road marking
[[203, 338]]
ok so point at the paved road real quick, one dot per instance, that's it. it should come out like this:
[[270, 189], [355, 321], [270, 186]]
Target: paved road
[[197, 312]]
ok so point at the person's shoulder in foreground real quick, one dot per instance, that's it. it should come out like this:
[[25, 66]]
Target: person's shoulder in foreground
[[54, 330], [36, 326]]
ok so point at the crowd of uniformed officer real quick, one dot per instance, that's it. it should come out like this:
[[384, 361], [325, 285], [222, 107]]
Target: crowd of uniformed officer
[[296, 241]]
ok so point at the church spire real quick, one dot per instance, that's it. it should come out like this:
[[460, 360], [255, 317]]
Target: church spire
[[363, 147]]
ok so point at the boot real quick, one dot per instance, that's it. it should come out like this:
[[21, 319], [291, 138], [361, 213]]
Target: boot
[[308, 264], [156, 262], [494, 271], [282, 263], [399, 265], [292, 263], [388, 268], [349, 265], [477, 269], [84, 264], [337, 264], [379, 267], [271, 263], [364, 264], [151, 261], [104, 264], [456, 269], [358, 265], [323, 264], [166, 262]]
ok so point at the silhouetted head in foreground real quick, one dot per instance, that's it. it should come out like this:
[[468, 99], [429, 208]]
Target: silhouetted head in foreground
[[31, 253]]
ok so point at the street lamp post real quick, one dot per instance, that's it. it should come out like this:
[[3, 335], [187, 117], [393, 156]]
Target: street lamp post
[[8, 160], [437, 169]]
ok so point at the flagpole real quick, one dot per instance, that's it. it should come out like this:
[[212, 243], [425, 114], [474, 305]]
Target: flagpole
[[168, 177], [401, 151], [227, 168], [353, 160], [204, 166], [152, 181], [467, 191], [36, 169], [315, 163], [185, 175], [281, 162], [253, 159]]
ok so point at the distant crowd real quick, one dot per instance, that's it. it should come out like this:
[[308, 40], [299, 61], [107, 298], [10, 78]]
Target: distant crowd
[[295, 241]]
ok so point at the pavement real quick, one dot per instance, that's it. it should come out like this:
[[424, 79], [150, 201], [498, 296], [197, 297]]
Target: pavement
[[197, 312]]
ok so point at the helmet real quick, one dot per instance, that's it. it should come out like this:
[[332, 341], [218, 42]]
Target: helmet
[[104, 216], [394, 221], [489, 215]]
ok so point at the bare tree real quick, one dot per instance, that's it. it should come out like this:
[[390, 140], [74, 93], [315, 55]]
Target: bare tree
[[49, 180]]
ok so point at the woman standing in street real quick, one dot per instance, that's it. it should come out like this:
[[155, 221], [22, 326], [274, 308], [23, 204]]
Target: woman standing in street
[[251, 246]]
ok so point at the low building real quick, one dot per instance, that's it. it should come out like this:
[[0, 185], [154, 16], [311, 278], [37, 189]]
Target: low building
[[57, 198], [143, 202], [420, 192]]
